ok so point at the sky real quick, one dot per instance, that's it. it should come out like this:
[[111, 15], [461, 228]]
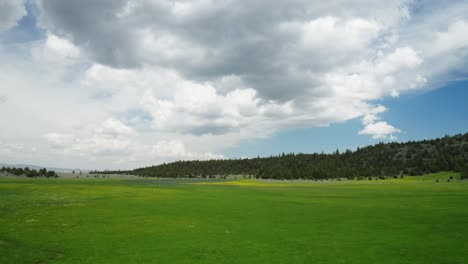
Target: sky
[[117, 84]]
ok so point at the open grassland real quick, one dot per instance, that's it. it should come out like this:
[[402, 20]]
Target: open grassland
[[411, 220]]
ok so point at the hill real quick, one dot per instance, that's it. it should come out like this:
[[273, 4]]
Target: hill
[[449, 153]]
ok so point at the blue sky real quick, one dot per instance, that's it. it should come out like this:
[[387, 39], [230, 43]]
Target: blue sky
[[26, 29], [123, 84], [433, 114]]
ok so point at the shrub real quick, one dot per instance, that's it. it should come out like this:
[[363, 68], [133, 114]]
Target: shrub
[[51, 174], [464, 173], [31, 173]]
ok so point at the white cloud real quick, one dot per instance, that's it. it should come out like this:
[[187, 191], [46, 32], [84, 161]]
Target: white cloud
[[454, 38], [11, 147], [87, 142], [380, 130], [400, 59], [199, 109], [164, 47], [176, 149], [114, 127], [373, 115], [117, 144], [332, 33], [56, 50], [376, 128], [172, 148], [60, 140]]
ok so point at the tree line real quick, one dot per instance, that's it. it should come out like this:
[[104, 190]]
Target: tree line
[[31, 173], [392, 159]]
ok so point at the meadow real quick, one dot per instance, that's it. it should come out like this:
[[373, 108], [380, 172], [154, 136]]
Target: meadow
[[411, 220]]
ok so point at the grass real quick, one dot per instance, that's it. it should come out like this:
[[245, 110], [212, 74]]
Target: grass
[[410, 220]]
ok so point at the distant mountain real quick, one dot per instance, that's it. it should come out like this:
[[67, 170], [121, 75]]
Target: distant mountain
[[383, 159], [35, 167]]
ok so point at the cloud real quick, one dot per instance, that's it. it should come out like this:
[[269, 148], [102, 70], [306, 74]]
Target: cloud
[[115, 127], [269, 51], [110, 137], [176, 149], [56, 50], [199, 109], [401, 58], [106, 38], [60, 140], [11, 11], [11, 147], [376, 128], [380, 130], [89, 144], [114, 139], [454, 38], [142, 82], [373, 115], [332, 35]]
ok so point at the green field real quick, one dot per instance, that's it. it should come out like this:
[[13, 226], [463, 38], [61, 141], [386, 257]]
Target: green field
[[411, 220]]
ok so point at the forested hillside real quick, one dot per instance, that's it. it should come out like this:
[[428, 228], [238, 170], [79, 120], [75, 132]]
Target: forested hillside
[[383, 159]]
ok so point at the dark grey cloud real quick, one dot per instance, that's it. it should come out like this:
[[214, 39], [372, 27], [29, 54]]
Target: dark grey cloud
[[242, 38], [95, 26]]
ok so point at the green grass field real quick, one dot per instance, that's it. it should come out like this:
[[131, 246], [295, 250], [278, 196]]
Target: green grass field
[[411, 220]]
